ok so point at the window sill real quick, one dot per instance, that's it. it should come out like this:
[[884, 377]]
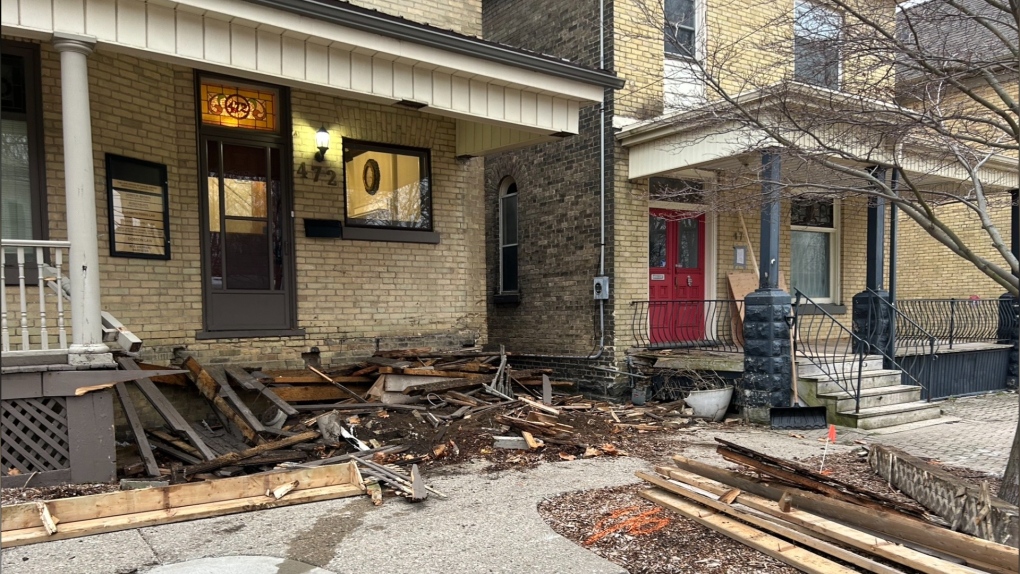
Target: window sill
[[391, 235], [830, 308], [249, 334], [506, 299]]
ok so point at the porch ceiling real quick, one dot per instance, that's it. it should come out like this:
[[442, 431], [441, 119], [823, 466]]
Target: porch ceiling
[[698, 140], [525, 97]]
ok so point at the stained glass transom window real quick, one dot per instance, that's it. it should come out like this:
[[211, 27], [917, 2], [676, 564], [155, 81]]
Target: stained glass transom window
[[239, 106]]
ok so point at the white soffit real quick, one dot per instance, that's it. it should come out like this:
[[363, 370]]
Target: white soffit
[[262, 43]]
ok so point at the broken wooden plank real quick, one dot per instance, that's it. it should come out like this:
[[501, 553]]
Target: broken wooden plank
[[532, 442], [777, 548], [434, 387], [232, 457], [166, 409], [963, 546], [474, 377], [336, 381], [821, 526], [775, 527], [210, 390], [418, 490], [305, 393], [964, 507], [546, 390], [386, 362], [220, 376], [124, 337], [536, 405], [807, 478], [100, 513], [249, 382], [144, 449], [174, 451]]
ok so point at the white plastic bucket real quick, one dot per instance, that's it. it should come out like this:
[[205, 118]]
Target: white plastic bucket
[[711, 404]]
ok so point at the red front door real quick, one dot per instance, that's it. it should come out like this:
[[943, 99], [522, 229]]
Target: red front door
[[676, 276]]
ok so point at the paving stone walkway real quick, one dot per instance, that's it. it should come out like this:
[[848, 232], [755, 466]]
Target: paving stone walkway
[[974, 432]]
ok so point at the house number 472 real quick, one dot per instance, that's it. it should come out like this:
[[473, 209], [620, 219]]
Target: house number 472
[[317, 173]]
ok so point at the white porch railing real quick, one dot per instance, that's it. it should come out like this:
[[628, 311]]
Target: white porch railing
[[37, 318]]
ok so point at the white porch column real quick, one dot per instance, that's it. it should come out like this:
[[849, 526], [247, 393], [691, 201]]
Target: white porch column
[[87, 347]]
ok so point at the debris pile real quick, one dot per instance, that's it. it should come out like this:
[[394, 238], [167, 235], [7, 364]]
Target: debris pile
[[815, 522]]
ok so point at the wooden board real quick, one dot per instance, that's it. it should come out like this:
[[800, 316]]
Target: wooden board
[[304, 393], [210, 389], [84, 515], [179, 514], [765, 524], [794, 555], [839, 532], [166, 409], [225, 391], [956, 544], [246, 380], [144, 450]]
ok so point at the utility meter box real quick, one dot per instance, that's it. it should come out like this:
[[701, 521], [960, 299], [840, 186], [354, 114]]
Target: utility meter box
[[601, 288]]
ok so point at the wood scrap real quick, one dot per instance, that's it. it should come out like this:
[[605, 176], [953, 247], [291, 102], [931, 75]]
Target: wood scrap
[[338, 383], [232, 457], [282, 490], [144, 449], [973, 550], [418, 490], [100, 513], [249, 382], [49, 523], [209, 388]]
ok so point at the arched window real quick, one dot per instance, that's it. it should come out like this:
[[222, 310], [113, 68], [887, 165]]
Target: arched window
[[508, 236]]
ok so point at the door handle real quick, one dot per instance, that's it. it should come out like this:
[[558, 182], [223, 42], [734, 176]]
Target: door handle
[[689, 282]]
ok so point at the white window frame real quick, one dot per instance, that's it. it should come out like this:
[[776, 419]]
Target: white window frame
[[839, 58], [835, 241], [504, 188]]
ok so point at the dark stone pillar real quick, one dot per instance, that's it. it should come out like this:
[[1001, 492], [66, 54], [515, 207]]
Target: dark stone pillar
[[767, 369], [871, 317]]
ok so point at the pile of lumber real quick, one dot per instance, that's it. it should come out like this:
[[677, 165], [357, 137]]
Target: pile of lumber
[[816, 523]]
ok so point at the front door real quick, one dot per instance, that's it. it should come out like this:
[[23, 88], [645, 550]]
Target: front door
[[247, 252], [676, 276]]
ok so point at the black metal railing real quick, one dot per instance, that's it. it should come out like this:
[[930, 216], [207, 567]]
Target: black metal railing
[[914, 348], [840, 353], [954, 321], [714, 324]]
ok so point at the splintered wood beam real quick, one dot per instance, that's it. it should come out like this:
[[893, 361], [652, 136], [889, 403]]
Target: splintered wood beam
[[228, 393], [233, 457], [96, 514], [767, 523], [144, 449], [969, 548], [210, 389], [246, 380], [336, 382], [777, 548], [166, 409]]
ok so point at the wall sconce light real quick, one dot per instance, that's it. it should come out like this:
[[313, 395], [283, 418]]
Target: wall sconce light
[[321, 142]]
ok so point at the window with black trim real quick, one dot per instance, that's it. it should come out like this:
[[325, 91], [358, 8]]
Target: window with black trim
[[508, 237], [679, 29], [387, 186], [816, 50], [814, 247]]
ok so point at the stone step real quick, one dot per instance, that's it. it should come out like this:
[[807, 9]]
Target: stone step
[[873, 397], [869, 380], [805, 368], [887, 416]]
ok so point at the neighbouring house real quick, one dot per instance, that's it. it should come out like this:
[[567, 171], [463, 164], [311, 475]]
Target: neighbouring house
[[251, 182], [643, 235]]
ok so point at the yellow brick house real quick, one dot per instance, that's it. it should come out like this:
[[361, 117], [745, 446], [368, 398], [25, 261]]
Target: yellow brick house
[[692, 193], [251, 181]]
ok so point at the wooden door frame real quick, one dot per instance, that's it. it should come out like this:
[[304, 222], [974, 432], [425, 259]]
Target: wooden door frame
[[711, 248], [284, 140]]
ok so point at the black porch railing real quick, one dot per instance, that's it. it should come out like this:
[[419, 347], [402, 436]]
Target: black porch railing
[[714, 324], [954, 321], [840, 353]]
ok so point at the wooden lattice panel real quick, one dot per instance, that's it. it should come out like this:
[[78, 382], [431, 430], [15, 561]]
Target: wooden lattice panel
[[34, 435]]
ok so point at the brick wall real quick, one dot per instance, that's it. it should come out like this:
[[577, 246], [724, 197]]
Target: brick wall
[[353, 297], [464, 16], [927, 269]]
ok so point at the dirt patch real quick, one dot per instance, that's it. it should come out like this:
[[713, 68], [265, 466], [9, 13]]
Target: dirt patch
[[20, 495], [622, 527]]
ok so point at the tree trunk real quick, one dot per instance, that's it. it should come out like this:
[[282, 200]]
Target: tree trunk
[[1010, 491]]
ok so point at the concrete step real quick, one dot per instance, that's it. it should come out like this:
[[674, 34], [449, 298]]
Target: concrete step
[[886, 416], [805, 368], [873, 397], [869, 379]]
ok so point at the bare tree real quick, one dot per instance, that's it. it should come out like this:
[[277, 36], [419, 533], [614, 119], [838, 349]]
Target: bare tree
[[929, 90], [842, 86]]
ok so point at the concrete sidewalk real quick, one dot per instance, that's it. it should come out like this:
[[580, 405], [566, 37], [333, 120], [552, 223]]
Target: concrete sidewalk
[[490, 523]]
